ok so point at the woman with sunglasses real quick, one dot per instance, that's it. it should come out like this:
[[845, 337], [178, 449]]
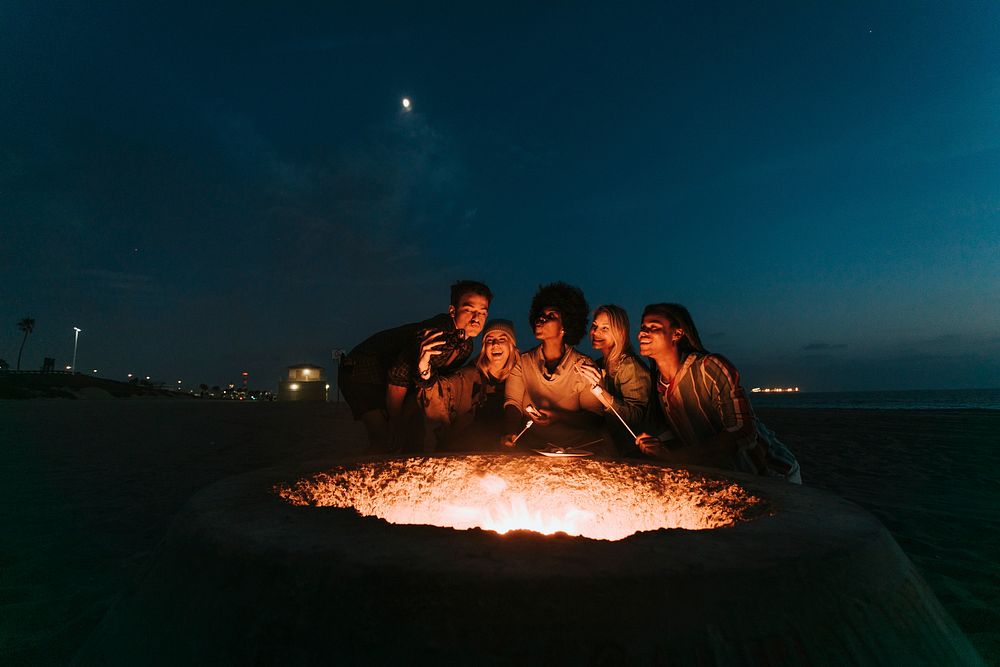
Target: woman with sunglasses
[[464, 409], [545, 386], [622, 376], [699, 395]]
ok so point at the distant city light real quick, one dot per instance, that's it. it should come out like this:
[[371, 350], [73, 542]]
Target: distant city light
[[130, 375], [406, 104], [68, 367], [95, 371], [305, 372], [327, 386], [147, 377], [294, 386]]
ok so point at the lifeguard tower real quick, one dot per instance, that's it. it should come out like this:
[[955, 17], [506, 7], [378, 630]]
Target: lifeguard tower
[[305, 382]]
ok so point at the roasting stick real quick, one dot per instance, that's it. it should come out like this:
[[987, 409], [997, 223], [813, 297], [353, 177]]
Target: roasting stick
[[526, 427], [587, 444], [606, 400]]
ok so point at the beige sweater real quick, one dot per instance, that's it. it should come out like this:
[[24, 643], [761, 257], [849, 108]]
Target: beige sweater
[[565, 393]]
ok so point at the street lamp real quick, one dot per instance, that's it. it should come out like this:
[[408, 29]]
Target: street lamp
[[76, 339]]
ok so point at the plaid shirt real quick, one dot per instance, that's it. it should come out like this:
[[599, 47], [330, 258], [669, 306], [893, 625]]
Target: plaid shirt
[[404, 372], [390, 356]]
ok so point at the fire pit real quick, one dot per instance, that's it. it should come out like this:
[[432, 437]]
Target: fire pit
[[602, 500], [500, 559]]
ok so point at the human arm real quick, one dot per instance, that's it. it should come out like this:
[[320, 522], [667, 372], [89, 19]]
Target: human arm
[[416, 354], [727, 399], [394, 396], [513, 420], [587, 376], [731, 401], [399, 382], [630, 392], [719, 451], [429, 348], [514, 402], [590, 373], [448, 399]]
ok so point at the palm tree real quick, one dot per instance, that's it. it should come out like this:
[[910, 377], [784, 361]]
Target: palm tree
[[27, 325]]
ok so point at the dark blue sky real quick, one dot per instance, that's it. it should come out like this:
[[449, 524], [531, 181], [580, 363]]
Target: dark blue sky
[[210, 190]]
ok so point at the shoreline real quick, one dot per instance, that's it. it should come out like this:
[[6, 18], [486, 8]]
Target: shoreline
[[767, 408]]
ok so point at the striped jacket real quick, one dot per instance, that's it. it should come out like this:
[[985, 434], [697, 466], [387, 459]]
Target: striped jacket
[[704, 399]]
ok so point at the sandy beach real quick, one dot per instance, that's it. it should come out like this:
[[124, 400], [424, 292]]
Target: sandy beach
[[90, 487]]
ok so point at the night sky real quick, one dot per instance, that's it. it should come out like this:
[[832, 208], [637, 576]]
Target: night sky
[[210, 190]]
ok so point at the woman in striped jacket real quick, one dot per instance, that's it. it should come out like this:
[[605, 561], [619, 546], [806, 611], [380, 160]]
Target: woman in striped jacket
[[699, 395]]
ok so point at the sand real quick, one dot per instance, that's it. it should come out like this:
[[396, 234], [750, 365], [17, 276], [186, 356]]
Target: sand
[[87, 489]]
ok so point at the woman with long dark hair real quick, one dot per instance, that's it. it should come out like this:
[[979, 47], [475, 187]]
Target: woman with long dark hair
[[699, 395]]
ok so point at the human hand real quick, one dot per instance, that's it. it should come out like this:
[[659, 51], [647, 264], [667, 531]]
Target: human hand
[[603, 397], [429, 347], [649, 444], [545, 417], [508, 440], [589, 372]]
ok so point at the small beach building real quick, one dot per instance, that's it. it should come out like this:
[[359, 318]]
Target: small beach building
[[304, 382]]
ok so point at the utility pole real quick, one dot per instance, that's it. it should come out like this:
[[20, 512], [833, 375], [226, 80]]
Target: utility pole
[[76, 339]]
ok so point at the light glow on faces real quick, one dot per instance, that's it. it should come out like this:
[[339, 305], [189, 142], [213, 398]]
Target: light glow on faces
[[656, 336], [471, 313], [497, 347], [549, 324], [601, 336]]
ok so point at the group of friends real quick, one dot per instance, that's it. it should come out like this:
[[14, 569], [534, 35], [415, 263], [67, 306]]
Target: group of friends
[[414, 390]]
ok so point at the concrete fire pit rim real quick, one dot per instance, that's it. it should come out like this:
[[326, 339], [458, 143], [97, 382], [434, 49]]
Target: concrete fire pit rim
[[244, 513]]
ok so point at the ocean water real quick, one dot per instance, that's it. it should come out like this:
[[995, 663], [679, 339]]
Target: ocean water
[[936, 399]]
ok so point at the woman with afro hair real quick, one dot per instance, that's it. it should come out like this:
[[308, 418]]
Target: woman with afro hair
[[546, 381]]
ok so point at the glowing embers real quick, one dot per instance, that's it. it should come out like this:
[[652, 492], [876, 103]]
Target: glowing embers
[[603, 500]]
